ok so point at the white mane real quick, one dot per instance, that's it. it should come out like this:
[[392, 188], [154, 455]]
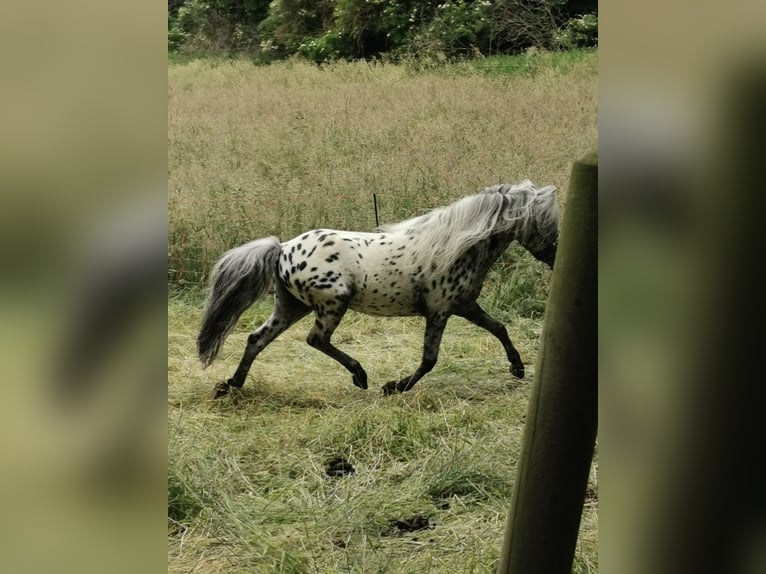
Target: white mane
[[444, 234]]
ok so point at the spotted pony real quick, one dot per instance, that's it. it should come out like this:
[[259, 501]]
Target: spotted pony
[[433, 265]]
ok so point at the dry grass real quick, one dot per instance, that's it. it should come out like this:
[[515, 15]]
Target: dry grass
[[255, 151]]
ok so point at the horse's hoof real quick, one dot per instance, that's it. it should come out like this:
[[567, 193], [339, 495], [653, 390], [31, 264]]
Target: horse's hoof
[[220, 390], [390, 388], [360, 380], [517, 371]]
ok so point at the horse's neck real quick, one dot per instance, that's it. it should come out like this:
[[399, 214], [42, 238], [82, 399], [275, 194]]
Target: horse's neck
[[486, 252]]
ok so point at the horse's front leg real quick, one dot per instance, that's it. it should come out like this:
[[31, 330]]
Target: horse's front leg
[[435, 325], [479, 317]]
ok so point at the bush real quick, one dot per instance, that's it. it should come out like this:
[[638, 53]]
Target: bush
[[328, 47], [580, 32], [456, 29], [322, 30], [521, 24], [176, 37], [217, 26], [291, 26]]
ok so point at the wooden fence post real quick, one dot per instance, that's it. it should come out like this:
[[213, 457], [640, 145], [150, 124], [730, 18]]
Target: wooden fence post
[[562, 416]]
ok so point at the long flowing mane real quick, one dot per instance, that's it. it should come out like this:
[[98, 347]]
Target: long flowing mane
[[445, 233]]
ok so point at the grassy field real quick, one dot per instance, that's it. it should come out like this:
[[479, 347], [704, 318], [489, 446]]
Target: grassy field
[[248, 488], [275, 150], [256, 151]]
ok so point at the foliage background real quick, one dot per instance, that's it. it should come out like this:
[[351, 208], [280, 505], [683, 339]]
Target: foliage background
[[331, 29]]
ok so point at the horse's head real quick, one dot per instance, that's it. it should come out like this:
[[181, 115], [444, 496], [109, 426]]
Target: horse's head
[[541, 236], [547, 255]]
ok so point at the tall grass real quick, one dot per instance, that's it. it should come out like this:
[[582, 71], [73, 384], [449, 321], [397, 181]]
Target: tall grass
[[275, 150]]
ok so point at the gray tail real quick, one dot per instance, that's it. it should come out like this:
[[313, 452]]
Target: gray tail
[[240, 277]]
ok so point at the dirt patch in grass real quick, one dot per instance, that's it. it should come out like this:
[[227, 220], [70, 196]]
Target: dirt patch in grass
[[399, 526], [338, 466]]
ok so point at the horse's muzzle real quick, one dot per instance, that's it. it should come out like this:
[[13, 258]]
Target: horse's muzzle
[[551, 261], [547, 256]]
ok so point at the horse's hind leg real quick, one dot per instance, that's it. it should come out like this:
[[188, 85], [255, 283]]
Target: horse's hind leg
[[479, 317], [287, 311], [319, 338], [435, 325]]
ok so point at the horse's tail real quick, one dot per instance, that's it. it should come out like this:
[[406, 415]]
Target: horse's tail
[[239, 278]]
